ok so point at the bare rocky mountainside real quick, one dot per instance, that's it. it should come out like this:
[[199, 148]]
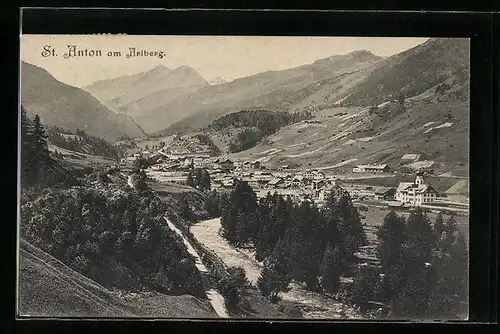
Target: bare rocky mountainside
[[71, 108]]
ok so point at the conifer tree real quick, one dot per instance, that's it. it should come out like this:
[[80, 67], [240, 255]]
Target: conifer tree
[[420, 236], [439, 226], [331, 268], [190, 179], [275, 277], [238, 219], [212, 204], [26, 138], [365, 285], [39, 137], [350, 225], [391, 235], [185, 209]]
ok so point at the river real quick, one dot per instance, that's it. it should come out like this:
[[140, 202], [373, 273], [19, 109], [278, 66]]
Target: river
[[314, 305]]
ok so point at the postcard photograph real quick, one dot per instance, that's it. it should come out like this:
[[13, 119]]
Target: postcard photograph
[[243, 177]]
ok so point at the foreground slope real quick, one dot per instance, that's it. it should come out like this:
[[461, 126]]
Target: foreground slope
[[69, 107], [48, 288]]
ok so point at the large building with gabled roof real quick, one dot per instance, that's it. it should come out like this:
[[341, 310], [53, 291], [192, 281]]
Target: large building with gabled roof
[[416, 193]]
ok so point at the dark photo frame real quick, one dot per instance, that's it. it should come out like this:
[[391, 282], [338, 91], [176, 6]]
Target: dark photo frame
[[480, 28]]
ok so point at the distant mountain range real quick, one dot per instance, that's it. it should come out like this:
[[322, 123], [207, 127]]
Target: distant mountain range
[[137, 94], [165, 101], [71, 108], [217, 81], [156, 101]]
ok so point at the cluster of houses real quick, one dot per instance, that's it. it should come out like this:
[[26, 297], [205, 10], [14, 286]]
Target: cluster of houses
[[298, 184]]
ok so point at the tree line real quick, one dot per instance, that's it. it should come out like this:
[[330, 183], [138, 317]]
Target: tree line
[[257, 123], [37, 167], [423, 265], [293, 239], [423, 270], [110, 234], [82, 142]]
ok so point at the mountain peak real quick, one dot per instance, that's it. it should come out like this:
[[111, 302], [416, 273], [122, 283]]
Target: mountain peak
[[217, 81], [362, 52], [160, 68]]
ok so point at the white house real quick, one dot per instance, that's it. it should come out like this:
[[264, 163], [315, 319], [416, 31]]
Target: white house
[[322, 193], [371, 169], [416, 193], [313, 175]]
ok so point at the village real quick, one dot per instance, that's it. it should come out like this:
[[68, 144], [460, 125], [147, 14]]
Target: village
[[173, 166]]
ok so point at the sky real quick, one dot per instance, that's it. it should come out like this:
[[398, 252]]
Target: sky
[[229, 57]]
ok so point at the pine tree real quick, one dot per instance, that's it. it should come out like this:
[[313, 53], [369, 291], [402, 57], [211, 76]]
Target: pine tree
[[307, 244], [420, 236], [448, 238], [365, 285], [391, 235], [185, 209], [238, 221], [412, 299], [350, 225], [331, 269], [275, 278], [190, 179], [449, 295], [203, 180], [416, 275], [26, 137], [212, 204], [439, 225], [39, 137]]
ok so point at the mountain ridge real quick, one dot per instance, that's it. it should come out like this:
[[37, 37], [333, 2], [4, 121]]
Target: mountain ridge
[[262, 90], [70, 107], [122, 93]]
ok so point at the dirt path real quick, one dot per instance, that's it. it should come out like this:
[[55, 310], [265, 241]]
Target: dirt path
[[213, 296]]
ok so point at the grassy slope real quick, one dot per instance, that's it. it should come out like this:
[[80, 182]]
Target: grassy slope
[[340, 139], [47, 287]]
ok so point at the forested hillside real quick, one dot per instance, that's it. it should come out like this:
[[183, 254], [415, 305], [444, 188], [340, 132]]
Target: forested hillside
[[93, 222], [80, 141], [251, 126]]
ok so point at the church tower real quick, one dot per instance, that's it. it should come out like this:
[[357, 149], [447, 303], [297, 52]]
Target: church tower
[[420, 179]]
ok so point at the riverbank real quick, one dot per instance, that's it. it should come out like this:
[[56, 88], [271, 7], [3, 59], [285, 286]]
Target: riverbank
[[313, 305]]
